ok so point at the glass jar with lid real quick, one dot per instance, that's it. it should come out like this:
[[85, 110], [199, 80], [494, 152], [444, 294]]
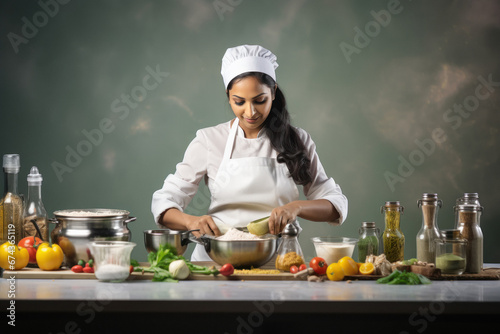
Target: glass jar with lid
[[289, 252], [467, 218], [451, 255], [368, 240], [429, 232], [393, 237]]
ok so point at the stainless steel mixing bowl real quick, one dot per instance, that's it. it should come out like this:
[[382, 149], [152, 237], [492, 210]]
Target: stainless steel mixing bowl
[[240, 253], [154, 238]]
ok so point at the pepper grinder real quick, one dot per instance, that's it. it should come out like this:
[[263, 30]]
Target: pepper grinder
[[289, 251]]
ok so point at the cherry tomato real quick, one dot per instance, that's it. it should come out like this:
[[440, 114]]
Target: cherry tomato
[[88, 270], [31, 244], [319, 265], [131, 269], [227, 269], [303, 266], [77, 269], [294, 269]]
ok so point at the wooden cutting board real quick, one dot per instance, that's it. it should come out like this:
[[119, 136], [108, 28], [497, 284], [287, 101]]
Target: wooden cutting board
[[35, 273]]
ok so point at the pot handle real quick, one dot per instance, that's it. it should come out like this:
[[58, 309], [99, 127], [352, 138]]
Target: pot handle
[[205, 242], [186, 237], [53, 220], [129, 220]]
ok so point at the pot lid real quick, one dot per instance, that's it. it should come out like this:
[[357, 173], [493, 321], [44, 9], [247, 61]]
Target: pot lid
[[89, 213]]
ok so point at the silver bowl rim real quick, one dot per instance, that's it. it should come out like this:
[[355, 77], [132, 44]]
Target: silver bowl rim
[[264, 237], [162, 231]]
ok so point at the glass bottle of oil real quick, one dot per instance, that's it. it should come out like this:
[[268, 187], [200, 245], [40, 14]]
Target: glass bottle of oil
[[394, 239], [11, 205]]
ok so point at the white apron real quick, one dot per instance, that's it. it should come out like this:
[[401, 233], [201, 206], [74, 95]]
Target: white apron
[[246, 189]]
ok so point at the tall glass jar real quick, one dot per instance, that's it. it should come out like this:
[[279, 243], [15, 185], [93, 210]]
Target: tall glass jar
[[11, 204], [368, 240], [467, 221], [426, 245], [289, 251], [394, 239], [34, 215], [451, 255]]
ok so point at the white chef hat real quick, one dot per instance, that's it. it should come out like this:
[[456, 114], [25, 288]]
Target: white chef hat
[[247, 58]]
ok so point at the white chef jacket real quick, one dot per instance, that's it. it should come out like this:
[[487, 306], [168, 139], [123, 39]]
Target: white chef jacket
[[204, 155]]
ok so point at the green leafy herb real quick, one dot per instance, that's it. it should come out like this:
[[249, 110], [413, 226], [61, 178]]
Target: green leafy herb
[[160, 261], [406, 278]]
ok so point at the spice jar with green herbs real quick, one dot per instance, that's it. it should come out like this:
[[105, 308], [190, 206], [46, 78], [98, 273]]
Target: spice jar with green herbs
[[394, 239], [368, 240]]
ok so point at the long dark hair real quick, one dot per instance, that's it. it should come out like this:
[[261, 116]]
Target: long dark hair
[[284, 138]]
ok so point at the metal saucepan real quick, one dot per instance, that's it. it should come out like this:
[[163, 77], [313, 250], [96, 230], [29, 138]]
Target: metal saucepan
[[76, 228], [240, 253], [154, 238]]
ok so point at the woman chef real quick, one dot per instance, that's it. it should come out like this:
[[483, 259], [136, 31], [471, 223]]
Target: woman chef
[[252, 164]]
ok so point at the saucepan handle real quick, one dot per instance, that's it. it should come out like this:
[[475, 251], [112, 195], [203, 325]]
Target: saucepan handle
[[129, 220], [203, 241], [186, 237]]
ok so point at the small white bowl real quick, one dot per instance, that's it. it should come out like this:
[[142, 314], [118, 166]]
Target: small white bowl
[[332, 249]]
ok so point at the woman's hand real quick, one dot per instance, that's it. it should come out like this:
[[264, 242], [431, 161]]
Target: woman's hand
[[281, 216], [205, 224]]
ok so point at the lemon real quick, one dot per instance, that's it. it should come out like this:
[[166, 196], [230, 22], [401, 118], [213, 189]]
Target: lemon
[[367, 268], [334, 272], [349, 266]]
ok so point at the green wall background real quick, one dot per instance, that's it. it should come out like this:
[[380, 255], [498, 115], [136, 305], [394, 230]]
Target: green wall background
[[365, 111]]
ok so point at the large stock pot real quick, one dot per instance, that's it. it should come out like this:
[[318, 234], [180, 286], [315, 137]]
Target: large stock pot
[[76, 228]]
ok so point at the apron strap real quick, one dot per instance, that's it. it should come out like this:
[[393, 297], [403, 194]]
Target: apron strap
[[230, 140]]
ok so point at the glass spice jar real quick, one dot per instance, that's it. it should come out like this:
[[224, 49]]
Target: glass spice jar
[[467, 221], [426, 245], [368, 240], [393, 237], [451, 255], [289, 251]]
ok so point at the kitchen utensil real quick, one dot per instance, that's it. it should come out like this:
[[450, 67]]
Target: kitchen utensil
[[178, 239], [76, 228], [240, 253], [332, 249], [111, 259]]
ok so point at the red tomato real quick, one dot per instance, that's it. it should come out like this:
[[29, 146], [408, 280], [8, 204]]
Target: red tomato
[[302, 267], [319, 265], [294, 269], [77, 269], [227, 269], [88, 270], [131, 269], [31, 244]]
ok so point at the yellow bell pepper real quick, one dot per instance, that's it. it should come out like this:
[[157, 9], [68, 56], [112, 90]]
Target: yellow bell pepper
[[49, 257], [13, 257]]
